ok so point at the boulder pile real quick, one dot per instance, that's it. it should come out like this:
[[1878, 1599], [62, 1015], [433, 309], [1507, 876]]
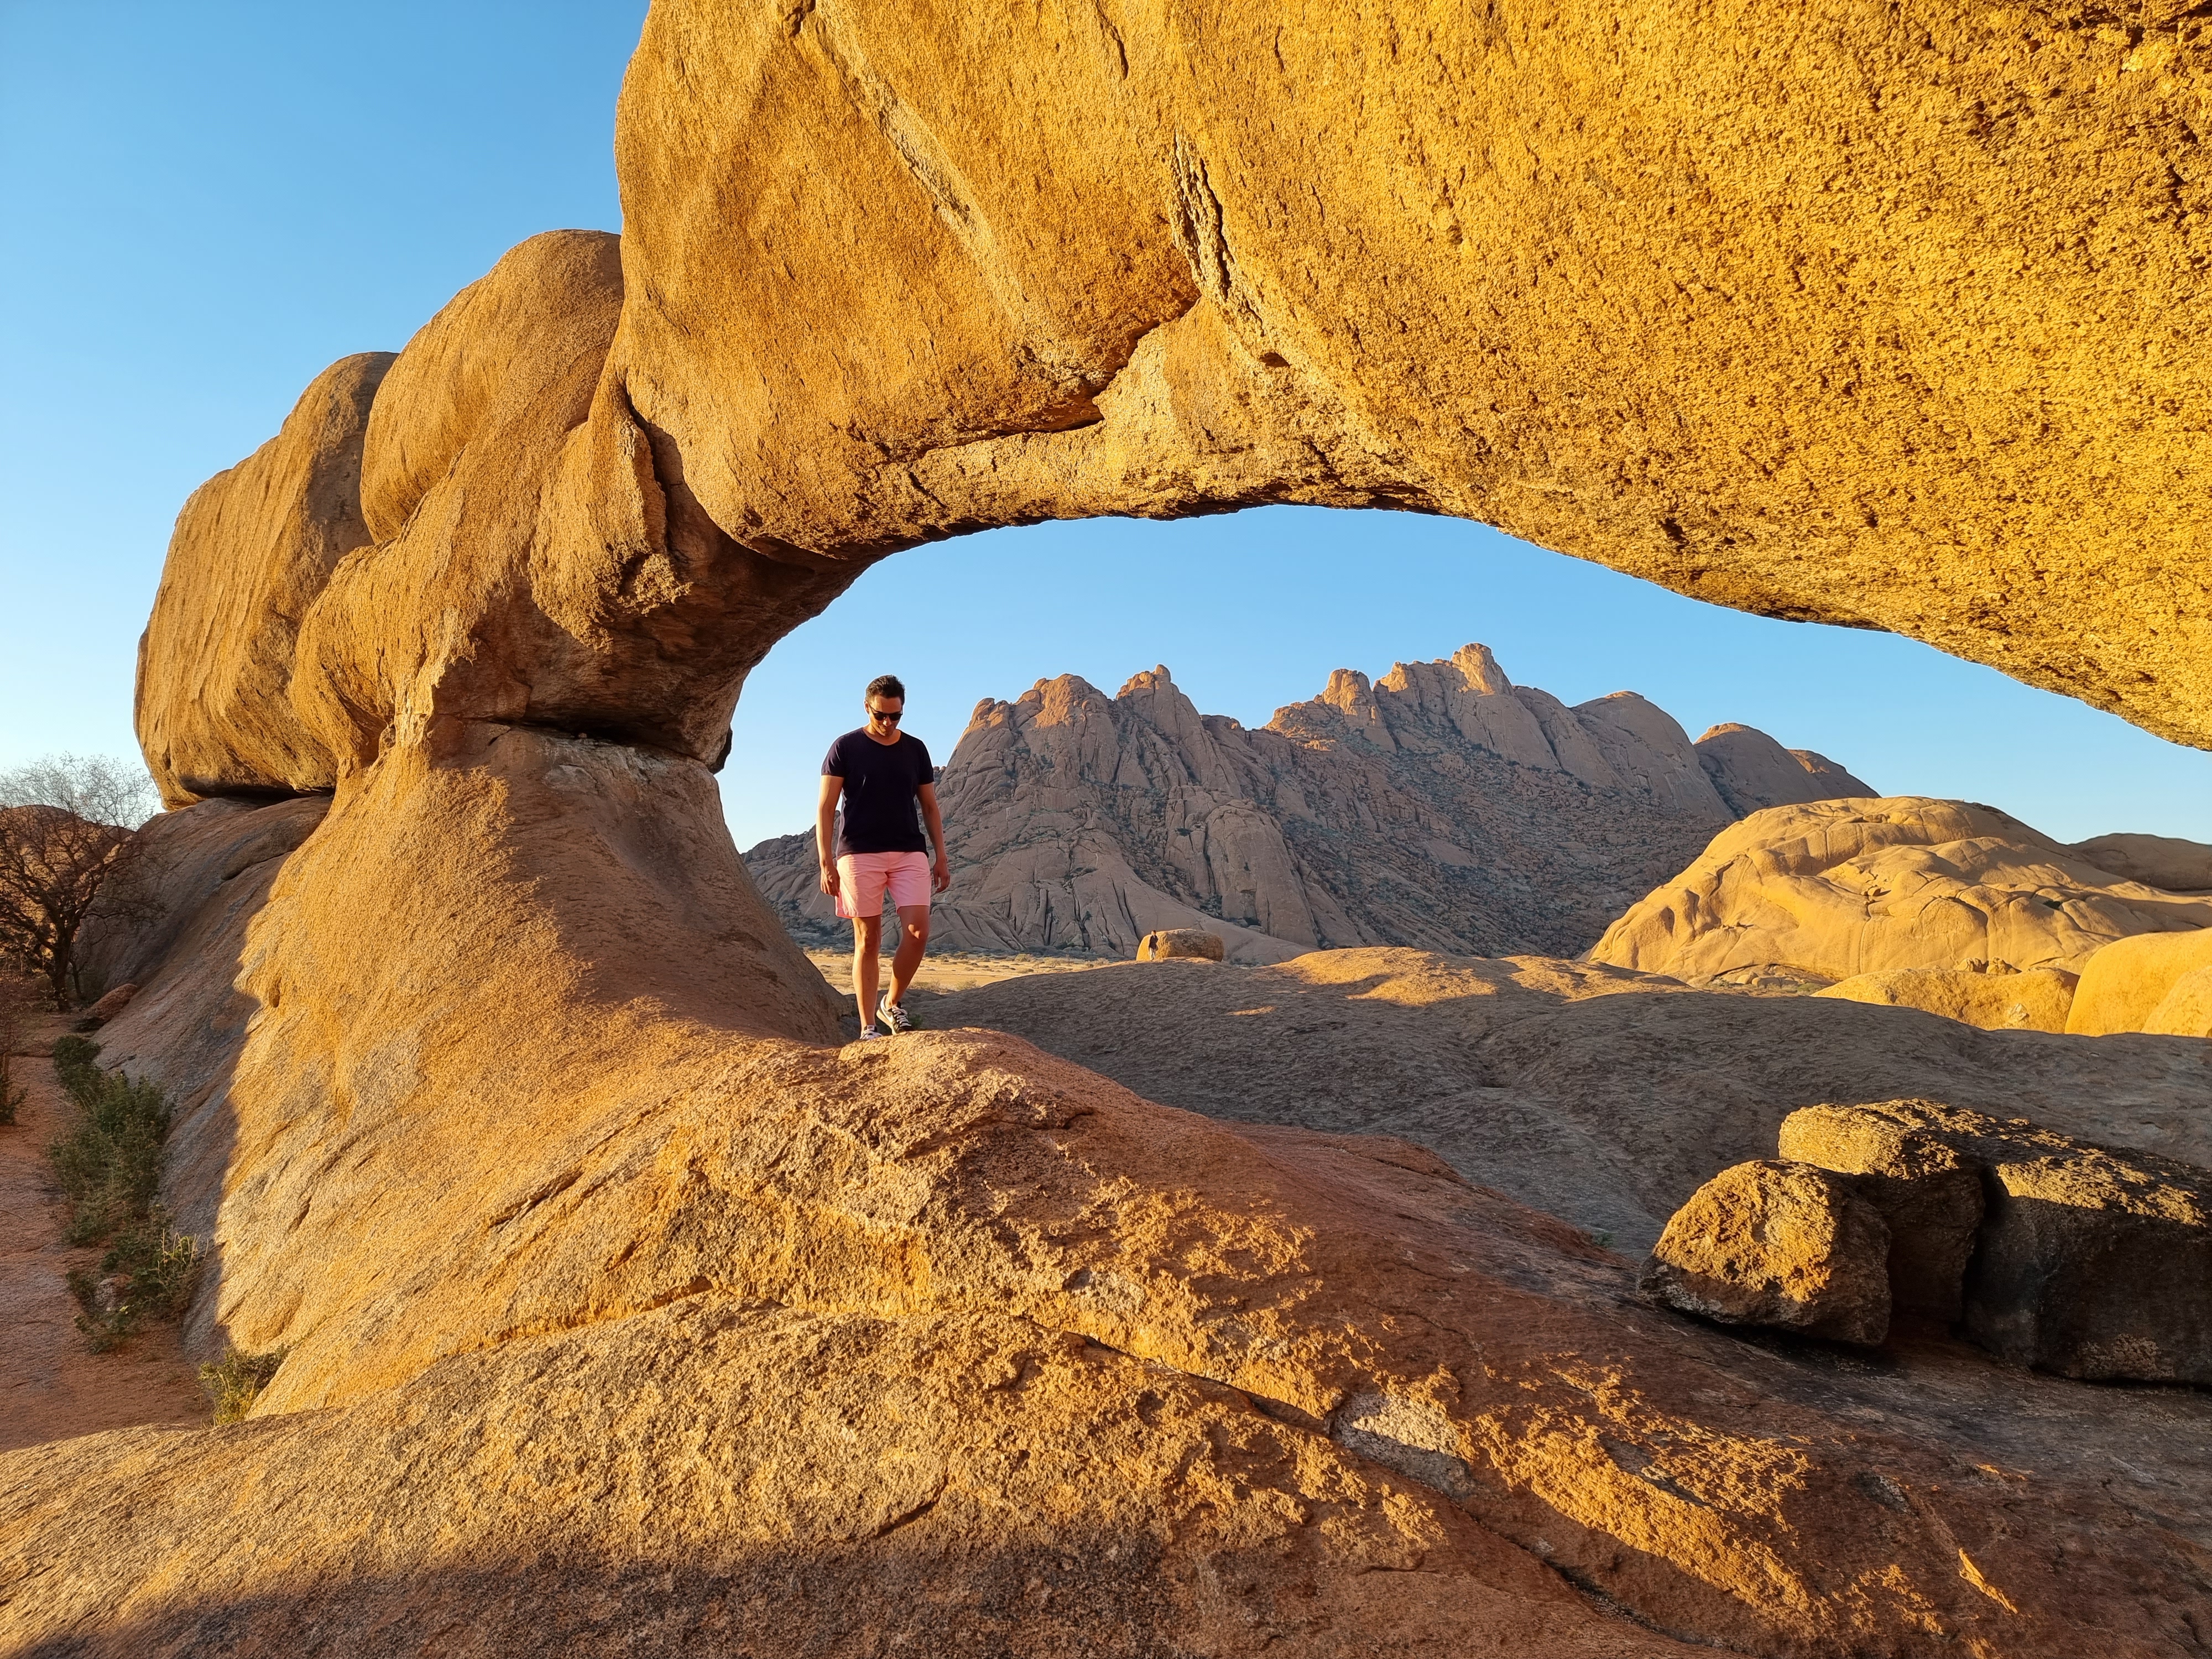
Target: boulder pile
[[2080, 1260]]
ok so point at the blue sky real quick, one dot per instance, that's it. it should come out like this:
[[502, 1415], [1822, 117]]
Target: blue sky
[[207, 204]]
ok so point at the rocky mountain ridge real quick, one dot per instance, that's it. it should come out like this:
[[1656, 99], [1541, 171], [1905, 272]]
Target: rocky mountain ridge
[[1441, 807]]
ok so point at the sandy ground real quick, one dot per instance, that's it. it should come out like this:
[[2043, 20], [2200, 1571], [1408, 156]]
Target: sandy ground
[[52, 1386]]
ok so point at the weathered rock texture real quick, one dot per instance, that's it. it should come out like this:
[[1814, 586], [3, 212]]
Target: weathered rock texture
[[1779, 1244], [524, 552], [2089, 1261], [1387, 1360], [1441, 807], [1835, 889], [2151, 982], [1721, 355], [253, 549], [1881, 319], [1586, 1091]]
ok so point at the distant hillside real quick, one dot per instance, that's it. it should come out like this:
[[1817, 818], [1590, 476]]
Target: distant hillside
[[1441, 807]]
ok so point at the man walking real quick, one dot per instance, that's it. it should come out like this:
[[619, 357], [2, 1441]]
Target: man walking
[[882, 775]]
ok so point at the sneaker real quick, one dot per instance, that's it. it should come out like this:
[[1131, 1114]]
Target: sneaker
[[868, 1031], [895, 1016]]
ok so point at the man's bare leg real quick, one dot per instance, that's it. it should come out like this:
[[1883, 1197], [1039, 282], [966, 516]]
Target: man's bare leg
[[867, 942], [913, 942]]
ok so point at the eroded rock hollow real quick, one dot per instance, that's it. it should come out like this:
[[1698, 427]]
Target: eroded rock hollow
[[507, 1100]]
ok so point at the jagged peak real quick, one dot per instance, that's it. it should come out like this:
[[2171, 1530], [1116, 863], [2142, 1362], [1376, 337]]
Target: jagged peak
[[1147, 679], [1473, 664], [1347, 689], [1061, 700], [1479, 668]]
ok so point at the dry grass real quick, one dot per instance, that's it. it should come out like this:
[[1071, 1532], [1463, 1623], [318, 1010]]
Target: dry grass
[[235, 1382]]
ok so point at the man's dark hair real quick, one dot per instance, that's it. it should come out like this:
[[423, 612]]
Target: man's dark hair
[[885, 686]]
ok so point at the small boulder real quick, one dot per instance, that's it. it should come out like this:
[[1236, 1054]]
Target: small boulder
[[2094, 1262], [1194, 943], [1928, 1192], [111, 1004], [1780, 1244]]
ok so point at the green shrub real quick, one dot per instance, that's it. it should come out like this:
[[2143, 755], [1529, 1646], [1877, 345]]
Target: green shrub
[[236, 1382], [148, 1273], [161, 1264], [73, 1064], [109, 1163]]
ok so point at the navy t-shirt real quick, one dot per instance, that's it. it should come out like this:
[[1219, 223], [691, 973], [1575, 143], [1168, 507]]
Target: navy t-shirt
[[879, 812]]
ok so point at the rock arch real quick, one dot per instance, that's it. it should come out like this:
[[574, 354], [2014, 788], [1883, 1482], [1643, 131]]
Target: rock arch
[[1880, 318]]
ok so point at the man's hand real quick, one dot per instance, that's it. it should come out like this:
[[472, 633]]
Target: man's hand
[[830, 879], [940, 874]]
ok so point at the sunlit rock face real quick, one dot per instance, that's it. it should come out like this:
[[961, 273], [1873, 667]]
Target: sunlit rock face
[[1832, 890], [1882, 318], [1855, 316]]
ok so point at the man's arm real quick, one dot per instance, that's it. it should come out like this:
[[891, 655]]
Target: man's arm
[[940, 873], [825, 832]]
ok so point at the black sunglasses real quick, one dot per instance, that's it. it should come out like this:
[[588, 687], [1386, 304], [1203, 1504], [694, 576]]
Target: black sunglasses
[[892, 714]]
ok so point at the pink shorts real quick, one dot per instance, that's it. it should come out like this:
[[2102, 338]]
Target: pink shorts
[[862, 877]]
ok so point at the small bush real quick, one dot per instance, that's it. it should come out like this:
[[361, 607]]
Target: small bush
[[109, 1163], [235, 1384], [161, 1264], [148, 1273], [73, 1065]]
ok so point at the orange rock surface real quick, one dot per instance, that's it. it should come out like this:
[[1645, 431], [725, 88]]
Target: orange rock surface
[[2031, 999], [1873, 318], [2150, 982], [253, 549], [1837, 889]]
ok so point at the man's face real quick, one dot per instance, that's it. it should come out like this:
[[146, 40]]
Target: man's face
[[884, 715]]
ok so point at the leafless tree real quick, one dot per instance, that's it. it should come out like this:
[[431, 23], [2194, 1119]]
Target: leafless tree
[[65, 822], [97, 788]]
